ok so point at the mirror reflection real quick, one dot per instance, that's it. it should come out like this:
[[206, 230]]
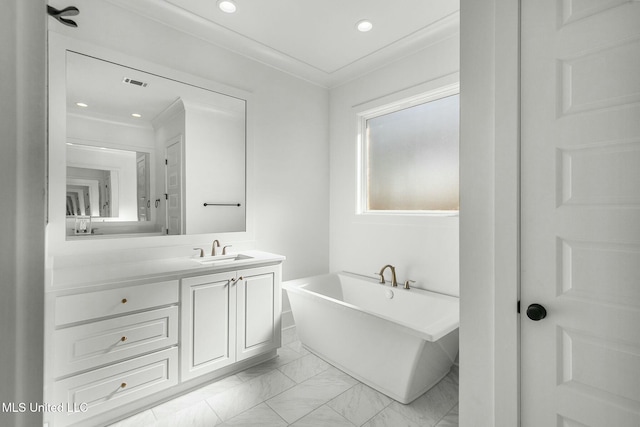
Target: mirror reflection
[[108, 184], [147, 154]]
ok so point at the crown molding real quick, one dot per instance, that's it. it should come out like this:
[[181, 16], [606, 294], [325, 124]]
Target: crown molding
[[215, 34]]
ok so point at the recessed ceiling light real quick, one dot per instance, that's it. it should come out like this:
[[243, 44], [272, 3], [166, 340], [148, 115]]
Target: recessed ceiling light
[[136, 115], [364, 26], [227, 6], [81, 104]]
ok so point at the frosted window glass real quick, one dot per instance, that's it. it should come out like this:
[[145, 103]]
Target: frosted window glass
[[412, 157]]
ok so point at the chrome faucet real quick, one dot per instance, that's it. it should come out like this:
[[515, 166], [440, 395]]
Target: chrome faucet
[[394, 281], [213, 247]]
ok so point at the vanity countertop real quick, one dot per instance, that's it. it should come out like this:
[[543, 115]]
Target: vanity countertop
[[163, 269]]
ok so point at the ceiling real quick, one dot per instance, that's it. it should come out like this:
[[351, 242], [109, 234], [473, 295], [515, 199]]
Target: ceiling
[[316, 40]]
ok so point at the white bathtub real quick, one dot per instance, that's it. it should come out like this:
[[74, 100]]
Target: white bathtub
[[400, 342]]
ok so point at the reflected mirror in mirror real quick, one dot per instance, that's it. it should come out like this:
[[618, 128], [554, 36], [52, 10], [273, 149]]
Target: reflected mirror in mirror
[[108, 184], [148, 154]]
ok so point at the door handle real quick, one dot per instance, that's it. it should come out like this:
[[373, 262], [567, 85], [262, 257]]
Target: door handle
[[536, 312]]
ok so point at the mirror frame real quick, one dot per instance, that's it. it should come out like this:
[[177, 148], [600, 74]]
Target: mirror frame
[[58, 46]]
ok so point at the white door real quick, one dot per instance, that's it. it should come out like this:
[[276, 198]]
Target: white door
[[173, 173], [580, 221]]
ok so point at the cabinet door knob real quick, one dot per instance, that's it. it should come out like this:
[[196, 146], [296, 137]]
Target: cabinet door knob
[[123, 339], [124, 300], [123, 385]]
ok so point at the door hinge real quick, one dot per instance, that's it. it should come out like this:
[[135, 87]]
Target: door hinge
[[518, 306], [166, 161], [167, 231], [166, 196]]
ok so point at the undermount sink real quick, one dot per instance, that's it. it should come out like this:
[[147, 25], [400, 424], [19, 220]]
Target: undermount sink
[[222, 259]]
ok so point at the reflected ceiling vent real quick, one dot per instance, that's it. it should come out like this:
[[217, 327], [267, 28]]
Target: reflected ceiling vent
[[134, 82]]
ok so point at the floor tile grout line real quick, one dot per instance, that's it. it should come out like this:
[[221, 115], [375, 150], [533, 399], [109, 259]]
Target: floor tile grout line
[[292, 379], [325, 403], [262, 401], [214, 411], [377, 413], [294, 421], [276, 412], [445, 415], [348, 420]]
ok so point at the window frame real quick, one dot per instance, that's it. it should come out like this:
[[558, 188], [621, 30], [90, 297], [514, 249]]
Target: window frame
[[362, 155]]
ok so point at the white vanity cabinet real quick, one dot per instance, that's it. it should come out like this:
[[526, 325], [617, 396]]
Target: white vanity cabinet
[[112, 346], [228, 317], [123, 337]]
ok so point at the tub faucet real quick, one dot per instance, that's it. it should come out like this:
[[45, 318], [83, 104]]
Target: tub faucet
[[213, 247], [394, 281]]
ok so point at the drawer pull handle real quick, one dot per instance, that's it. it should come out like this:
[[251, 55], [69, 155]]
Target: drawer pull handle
[[123, 339], [123, 385], [124, 300]]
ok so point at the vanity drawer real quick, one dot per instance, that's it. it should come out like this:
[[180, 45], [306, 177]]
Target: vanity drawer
[[94, 344], [94, 305], [104, 389]]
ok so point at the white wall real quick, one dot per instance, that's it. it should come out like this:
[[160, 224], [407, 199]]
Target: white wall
[[287, 146], [22, 174], [489, 251], [422, 249]]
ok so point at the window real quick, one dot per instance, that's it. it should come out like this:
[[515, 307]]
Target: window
[[409, 155]]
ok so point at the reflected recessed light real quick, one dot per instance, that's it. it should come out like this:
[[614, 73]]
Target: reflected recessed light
[[227, 6], [81, 104], [136, 115], [364, 26]]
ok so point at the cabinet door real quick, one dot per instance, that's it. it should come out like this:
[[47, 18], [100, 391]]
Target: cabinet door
[[208, 324], [259, 307]]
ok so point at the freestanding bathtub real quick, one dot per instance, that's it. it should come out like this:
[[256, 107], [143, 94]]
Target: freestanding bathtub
[[400, 342]]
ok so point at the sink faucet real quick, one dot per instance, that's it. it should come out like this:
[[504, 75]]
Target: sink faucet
[[213, 247], [394, 281]]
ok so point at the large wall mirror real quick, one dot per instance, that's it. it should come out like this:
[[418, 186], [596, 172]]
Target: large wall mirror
[[149, 154]]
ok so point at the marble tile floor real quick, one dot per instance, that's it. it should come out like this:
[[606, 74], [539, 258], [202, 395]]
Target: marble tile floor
[[299, 389]]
